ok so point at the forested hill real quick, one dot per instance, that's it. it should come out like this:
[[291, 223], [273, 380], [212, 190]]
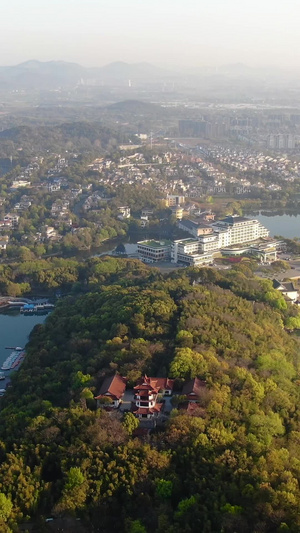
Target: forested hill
[[232, 467], [76, 136]]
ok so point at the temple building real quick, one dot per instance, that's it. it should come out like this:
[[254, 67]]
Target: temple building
[[145, 396]]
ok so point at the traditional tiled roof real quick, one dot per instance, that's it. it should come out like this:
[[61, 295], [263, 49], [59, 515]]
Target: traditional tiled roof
[[155, 384], [193, 387], [192, 408], [162, 383], [112, 386], [147, 410]]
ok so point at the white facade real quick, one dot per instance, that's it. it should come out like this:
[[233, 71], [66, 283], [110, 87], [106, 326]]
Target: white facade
[[3, 242], [223, 237], [124, 211], [185, 246], [20, 183], [188, 251], [209, 243], [153, 251], [239, 230], [228, 232]]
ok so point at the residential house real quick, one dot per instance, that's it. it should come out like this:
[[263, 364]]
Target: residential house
[[54, 186], [113, 387], [3, 242], [124, 212], [13, 218], [147, 212], [287, 289], [144, 221], [192, 389], [49, 233], [6, 223]]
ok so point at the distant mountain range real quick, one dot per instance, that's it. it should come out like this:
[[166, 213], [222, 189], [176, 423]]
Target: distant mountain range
[[54, 74]]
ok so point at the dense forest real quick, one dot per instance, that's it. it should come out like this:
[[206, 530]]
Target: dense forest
[[72, 136], [233, 466]]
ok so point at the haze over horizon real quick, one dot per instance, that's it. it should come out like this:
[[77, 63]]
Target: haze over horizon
[[171, 33]]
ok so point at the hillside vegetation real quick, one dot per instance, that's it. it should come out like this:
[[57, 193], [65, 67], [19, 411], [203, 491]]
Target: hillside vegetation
[[71, 136], [234, 467]]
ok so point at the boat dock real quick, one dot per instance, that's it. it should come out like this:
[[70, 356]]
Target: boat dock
[[25, 304], [14, 359], [30, 308]]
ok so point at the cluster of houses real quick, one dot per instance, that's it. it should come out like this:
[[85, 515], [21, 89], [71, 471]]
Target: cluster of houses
[[148, 400], [61, 163], [244, 160], [22, 179], [10, 221]]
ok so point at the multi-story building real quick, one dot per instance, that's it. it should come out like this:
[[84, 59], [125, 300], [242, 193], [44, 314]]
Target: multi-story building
[[173, 200], [281, 141], [188, 252], [230, 231], [223, 237], [208, 243], [194, 228], [145, 396], [154, 251], [240, 230], [177, 212]]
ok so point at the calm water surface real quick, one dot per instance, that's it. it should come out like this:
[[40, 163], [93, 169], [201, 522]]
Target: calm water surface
[[14, 331], [286, 225]]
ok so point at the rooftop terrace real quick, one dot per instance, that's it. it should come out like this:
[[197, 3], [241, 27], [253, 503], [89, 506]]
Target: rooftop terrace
[[155, 244]]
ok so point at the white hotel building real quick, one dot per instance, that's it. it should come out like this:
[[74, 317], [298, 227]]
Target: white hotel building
[[231, 231], [239, 230]]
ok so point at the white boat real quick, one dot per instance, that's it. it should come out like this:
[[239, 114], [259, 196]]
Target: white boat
[[9, 362], [2, 375]]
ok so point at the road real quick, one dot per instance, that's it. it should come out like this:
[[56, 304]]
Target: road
[[292, 272]]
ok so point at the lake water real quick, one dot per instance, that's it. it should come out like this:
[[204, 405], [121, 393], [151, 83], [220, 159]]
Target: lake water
[[14, 331], [286, 225]]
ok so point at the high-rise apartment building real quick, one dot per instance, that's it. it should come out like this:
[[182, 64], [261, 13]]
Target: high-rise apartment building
[[281, 141]]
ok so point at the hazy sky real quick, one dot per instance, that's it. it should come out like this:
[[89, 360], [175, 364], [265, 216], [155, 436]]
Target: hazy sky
[[174, 32]]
